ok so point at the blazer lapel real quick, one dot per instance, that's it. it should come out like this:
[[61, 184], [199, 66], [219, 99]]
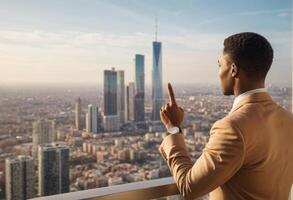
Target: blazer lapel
[[256, 97]]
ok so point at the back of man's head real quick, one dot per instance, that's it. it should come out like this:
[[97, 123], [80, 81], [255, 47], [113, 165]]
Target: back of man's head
[[250, 52]]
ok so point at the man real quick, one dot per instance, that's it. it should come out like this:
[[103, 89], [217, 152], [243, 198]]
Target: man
[[249, 154]]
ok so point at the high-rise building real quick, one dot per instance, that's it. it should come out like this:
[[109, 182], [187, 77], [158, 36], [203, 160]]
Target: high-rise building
[[53, 165], [121, 96], [130, 101], [78, 114], [19, 178], [139, 86], [111, 114], [111, 122], [157, 81], [43, 132], [92, 119], [110, 92]]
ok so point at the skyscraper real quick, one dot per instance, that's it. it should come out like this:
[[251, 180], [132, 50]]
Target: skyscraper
[[111, 117], [53, 165], [78, 114], [19, 178], [92, 119], [110, 92], [139, 86], [130, 101], [157, 81], [111, 122], [121, 96], [43, 132]]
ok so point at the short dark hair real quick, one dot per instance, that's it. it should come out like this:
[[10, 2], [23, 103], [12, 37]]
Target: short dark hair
[[250, 52]]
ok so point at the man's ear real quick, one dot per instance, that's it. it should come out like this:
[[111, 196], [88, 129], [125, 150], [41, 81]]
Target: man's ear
[[234, 70]]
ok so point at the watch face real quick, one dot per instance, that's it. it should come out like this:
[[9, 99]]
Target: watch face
[[173, 130]]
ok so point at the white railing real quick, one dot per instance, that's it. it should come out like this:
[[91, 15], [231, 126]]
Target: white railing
[[131, 191]]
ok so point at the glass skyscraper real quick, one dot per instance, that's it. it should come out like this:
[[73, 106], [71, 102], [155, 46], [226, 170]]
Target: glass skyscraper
[[121, 96], [113, 94], [20, 178], [92, 119], [130, 92], [139, 88], [53, 168], [157, 81], [110, 92]]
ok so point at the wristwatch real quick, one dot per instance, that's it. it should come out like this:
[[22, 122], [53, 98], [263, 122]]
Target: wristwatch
[[173, 130]]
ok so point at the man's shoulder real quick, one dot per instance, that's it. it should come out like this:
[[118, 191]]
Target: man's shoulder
[[235, 120], [227, 123], [255, 116], [256, 112], [248, 113]]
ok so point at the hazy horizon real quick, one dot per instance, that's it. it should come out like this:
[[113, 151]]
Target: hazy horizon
[[100, 85]]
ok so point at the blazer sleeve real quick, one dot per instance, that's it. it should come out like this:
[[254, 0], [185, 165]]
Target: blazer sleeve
[[221, 159]]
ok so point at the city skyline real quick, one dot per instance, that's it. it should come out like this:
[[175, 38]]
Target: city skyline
[[77, 49]]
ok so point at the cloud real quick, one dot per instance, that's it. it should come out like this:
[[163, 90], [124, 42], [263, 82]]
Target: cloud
[[82, 56], [279, 12], [76, 39], [284, 14]]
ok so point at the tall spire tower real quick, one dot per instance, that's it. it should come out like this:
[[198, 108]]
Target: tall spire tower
[[156, 29], [157, 81]]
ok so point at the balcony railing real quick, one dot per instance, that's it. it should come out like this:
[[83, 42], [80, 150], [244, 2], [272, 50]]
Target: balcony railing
[[150, 189]]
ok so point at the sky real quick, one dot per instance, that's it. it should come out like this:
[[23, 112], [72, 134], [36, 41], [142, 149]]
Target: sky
[[65, 41]]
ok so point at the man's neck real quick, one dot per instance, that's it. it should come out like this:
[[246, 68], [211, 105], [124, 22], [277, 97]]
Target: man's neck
[[244, 88]]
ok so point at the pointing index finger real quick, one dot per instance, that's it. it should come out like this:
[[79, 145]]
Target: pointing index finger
[[171, 95]]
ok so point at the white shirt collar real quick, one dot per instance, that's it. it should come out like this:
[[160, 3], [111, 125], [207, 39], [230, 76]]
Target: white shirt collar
[[247, 93]]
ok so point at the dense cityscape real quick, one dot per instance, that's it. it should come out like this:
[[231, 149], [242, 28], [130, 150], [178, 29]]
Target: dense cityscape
[[58, 139], [101, 158]]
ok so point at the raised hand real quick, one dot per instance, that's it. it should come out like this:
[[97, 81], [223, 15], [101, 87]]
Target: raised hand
[[172, 100], [171, 114]]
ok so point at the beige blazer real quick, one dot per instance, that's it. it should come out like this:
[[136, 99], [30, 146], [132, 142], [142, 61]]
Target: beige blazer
[[249, 155]]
